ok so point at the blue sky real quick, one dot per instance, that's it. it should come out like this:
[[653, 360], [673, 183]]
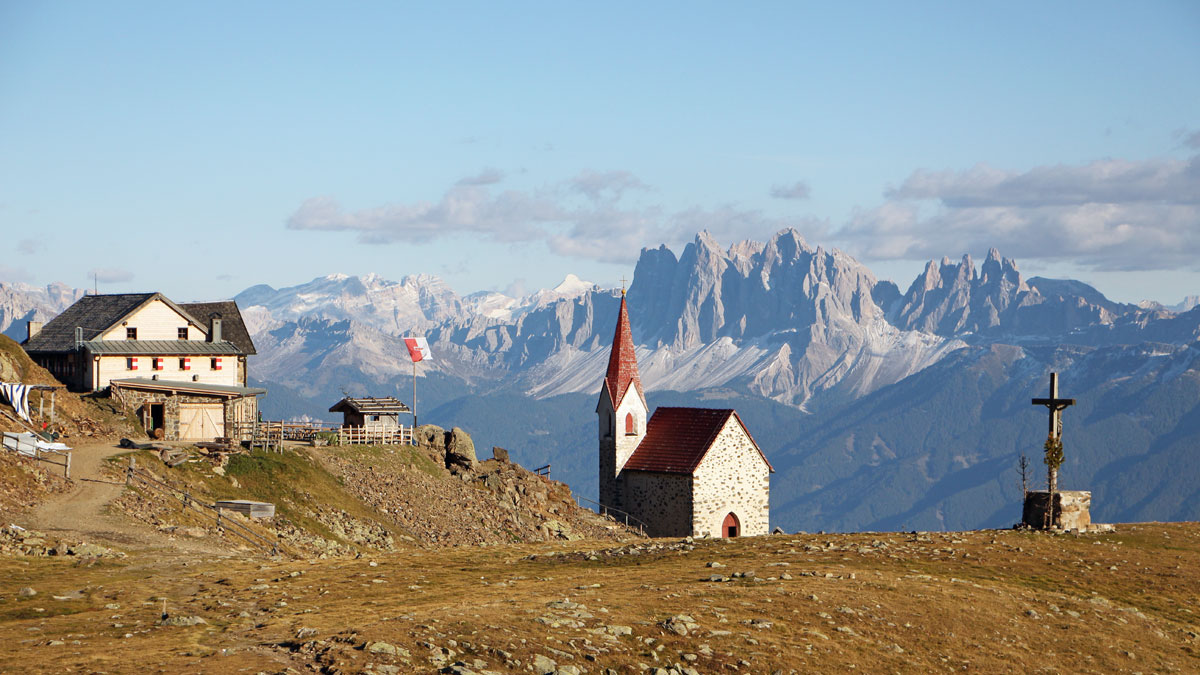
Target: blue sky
[[202, 148]]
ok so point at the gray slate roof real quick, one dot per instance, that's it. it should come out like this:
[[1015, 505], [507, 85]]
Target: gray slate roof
[[163, 347], [94, 313], [97, 313], [232, 326], [371, 406], [188, 387]]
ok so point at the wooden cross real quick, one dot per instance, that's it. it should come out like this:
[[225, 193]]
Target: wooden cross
[[1055, 405]]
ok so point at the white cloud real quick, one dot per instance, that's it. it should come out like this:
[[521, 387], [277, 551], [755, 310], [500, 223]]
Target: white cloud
[[797, 190], [488, 176], [1109, 214], [9, 273], [607, 186], [598, 227], [507, 216]]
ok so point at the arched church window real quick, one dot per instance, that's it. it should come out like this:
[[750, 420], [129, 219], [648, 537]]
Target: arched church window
[[630, 425]]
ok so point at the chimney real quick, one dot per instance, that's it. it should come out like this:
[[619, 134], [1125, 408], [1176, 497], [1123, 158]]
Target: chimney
[[78, 337], [34, 327], [214, 335]]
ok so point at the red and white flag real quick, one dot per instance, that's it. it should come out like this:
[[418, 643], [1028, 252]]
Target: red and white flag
[[418, 348]]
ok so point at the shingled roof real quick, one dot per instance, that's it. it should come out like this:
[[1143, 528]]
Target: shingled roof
[[388, 405], [94, 313], [678, 438], [622, 361], [97, 313], [233, 328]]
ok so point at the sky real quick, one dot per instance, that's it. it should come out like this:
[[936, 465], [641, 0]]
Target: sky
[[201, 148]]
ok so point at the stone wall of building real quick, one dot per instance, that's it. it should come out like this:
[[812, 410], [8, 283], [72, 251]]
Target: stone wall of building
[[244, 409], [663, 501], [732, 478]]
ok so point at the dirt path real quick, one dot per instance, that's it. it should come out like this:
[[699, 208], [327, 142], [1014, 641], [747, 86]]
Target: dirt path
[[82, 511]]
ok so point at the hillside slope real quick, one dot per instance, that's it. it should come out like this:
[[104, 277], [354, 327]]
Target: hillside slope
[[354, 499]]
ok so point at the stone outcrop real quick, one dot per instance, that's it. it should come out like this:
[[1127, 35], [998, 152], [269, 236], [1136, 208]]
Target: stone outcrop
[[460, 451], [454, 448]]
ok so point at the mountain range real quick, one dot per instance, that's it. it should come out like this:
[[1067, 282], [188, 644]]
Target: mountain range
[[880, 408]]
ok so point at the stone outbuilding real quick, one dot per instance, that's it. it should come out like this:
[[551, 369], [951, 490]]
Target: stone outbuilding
[[682, 471], [190, 411]]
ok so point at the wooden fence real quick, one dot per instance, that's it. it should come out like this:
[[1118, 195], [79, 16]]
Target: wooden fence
[[270, 435], [375, 436]]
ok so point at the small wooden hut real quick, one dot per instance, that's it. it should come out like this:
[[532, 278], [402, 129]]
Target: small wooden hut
[[372, 420], [371, 413]]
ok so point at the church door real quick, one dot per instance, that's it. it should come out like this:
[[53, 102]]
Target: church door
[[731, 527]]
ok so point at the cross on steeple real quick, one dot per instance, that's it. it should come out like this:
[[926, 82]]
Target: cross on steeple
[[622, 284]]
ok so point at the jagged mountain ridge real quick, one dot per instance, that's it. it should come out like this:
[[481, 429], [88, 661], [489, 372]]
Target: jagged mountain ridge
[[941, 373], [21, 303], [780, 319]]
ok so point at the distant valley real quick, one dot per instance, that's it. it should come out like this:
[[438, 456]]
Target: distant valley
[[881, 407]]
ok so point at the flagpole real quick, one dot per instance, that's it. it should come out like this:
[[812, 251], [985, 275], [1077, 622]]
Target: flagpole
[[414, 406]]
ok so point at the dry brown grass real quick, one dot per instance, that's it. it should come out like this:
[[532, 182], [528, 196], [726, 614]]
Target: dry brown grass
[[992, 601]]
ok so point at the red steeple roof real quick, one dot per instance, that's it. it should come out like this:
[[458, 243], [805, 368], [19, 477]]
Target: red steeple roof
[[622, 361]]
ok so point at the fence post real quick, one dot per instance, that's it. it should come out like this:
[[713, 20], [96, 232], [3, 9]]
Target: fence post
[[129, 471], [68, 465]]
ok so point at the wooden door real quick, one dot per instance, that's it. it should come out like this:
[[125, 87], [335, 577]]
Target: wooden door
[[731, 527], [201, 421]]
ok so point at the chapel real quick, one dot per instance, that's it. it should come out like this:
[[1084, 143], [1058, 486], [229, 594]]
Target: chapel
[[683, 471]]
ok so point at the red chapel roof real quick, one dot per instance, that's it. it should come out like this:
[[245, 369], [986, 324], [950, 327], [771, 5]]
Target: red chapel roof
[[622, 361], [678, 438]]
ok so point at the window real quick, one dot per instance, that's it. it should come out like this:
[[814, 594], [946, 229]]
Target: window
[[183, 335], [157, 363], [215, 363], [131, 333], [630, 425], [185, 363], [131, 363]]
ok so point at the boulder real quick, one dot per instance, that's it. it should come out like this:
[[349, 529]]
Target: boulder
[[431, 436], [499, 454], [460, 450]]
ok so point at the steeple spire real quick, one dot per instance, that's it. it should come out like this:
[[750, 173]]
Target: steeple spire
[[622, 361]]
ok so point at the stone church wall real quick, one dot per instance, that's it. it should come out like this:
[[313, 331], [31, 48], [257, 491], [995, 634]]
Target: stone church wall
[[732, 477], [661, 500]]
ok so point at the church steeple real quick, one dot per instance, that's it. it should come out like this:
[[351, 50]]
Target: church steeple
[[622, 416], [622, 361]]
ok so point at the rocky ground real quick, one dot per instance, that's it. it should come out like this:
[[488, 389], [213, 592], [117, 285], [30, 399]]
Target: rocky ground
[[335, 501], [495, 502], [991, 601]]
